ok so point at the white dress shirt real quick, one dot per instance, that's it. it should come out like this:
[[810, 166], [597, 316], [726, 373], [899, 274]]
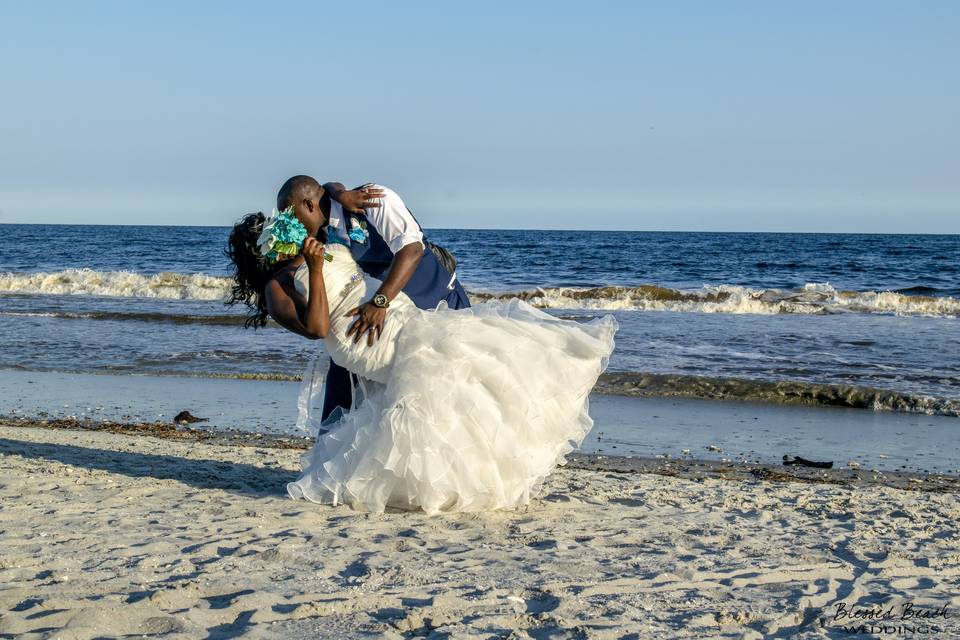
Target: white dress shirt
[[390, 218]]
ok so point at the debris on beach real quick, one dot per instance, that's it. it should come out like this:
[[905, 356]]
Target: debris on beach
[[803, 462], [185, 417], [715, 448]]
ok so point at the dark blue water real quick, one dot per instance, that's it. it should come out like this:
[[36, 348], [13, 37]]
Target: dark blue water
[[864, 310], [502, 260]]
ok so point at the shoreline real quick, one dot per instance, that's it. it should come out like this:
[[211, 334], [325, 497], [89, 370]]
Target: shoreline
[[639, 384], [775, 392], [686, 468], [624, 425]]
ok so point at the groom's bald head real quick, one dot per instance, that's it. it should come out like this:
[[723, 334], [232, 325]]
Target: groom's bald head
[[297, 189], [303, 193]]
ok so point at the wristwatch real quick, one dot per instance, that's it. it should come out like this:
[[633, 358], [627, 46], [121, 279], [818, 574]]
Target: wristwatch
[[380, 301]]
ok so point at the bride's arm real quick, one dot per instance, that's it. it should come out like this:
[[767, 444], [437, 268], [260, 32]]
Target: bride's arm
[[354, 200], [312, 321]]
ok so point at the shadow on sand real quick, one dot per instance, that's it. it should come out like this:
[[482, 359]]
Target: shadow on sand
[[238, 478]]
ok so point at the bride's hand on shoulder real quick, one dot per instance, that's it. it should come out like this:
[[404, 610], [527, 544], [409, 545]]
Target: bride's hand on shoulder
[[313, 254], [356, 200]]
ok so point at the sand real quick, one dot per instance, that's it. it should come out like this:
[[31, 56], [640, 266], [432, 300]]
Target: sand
[[107, 534]]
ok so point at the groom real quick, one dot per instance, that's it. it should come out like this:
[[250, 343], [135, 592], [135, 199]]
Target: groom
[[388, 244]]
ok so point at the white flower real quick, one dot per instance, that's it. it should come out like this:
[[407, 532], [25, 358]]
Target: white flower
[[265, 241]]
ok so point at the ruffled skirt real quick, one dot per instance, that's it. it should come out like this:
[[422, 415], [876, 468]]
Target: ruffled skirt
[[480, 405]]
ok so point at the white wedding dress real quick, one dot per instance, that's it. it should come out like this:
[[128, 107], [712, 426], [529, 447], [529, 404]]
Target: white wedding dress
[[461, 410]]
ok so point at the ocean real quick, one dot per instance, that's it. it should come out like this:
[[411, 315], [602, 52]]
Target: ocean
[[830, 318]]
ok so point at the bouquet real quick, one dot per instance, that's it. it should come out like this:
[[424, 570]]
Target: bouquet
[[282, 236]]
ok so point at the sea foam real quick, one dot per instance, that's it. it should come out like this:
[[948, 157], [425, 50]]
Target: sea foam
[[127, 284], [812, 298]]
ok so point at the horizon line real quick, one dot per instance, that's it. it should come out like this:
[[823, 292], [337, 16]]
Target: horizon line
[[581, 230]]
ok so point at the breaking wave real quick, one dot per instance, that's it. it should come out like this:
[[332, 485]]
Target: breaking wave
[[812, 298], [126, 284]]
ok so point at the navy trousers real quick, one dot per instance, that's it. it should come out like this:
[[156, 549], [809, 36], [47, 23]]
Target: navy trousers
[[338, 388]]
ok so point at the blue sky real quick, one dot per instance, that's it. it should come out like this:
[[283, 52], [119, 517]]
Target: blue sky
[[754, 116]]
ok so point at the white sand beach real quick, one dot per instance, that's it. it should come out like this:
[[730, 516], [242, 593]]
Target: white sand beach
[[108, 535]]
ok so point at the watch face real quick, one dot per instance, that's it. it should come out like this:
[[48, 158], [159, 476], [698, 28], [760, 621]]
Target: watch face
[[380, 300]]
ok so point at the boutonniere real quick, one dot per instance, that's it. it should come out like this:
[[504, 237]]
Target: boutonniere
[[358, 231]]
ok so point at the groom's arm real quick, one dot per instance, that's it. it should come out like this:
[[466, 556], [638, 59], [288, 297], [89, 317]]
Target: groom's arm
[[398, 228], [371, 318], [405, 262], [335, 189], [403, 235]]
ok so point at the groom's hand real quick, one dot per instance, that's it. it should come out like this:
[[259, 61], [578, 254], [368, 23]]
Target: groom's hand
[[371, 319]]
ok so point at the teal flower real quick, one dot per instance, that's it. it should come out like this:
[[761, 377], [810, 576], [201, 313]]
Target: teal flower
[[282, 236], [358, 231]]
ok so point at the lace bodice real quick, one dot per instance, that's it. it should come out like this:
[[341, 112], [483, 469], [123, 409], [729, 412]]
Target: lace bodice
[[342, 277], [348, 287]]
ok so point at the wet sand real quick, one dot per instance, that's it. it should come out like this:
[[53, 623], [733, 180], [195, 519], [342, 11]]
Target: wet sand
[[685, 466], [675, 428]]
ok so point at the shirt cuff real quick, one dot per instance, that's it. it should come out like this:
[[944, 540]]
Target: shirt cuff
[[408, 238]]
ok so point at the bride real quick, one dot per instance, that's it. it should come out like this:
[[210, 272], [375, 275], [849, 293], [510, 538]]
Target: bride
[[456, 410]]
